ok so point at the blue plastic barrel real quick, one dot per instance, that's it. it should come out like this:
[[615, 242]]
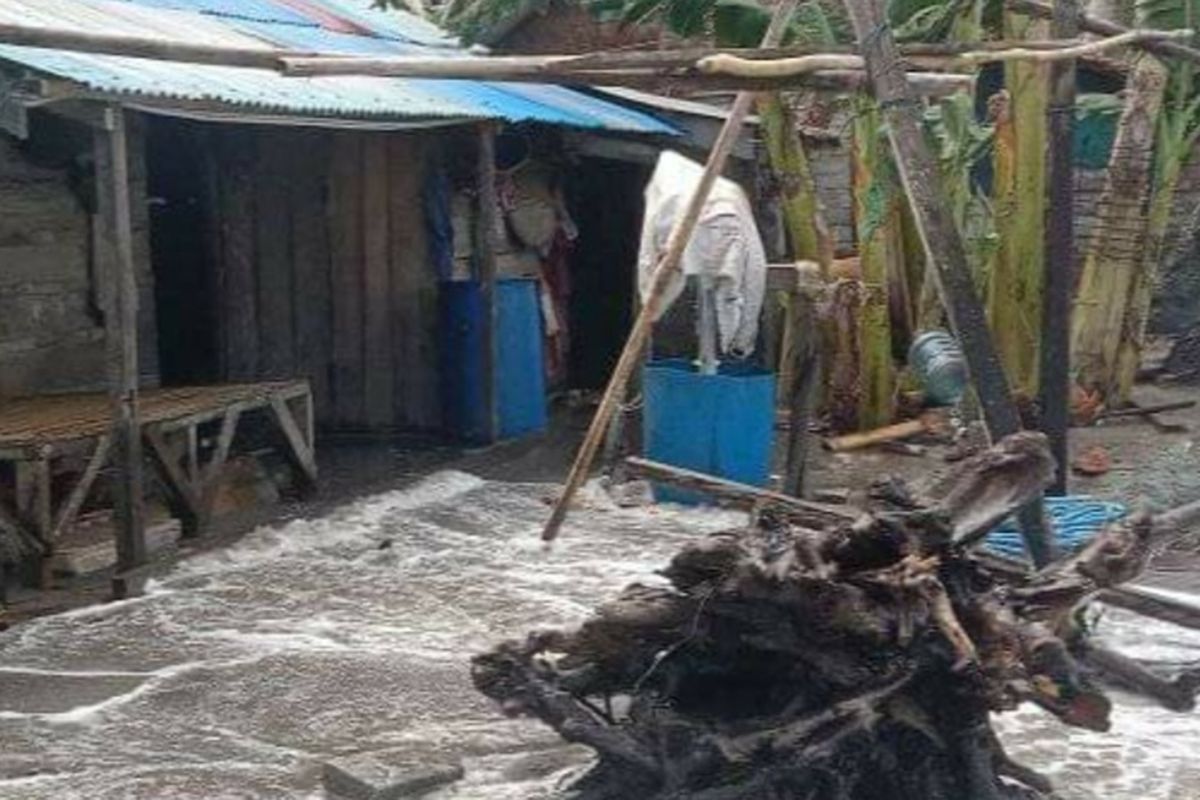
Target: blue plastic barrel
[[460, 363], [520, 365], [520, 388], [721, 424]]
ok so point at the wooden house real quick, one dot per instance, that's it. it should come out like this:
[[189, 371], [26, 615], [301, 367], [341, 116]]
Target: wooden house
[[192, 243]]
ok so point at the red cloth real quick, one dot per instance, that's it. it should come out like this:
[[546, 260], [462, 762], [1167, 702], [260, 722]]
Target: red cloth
[[556, 282]]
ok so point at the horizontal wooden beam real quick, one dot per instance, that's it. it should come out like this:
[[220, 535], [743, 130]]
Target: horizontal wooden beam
[[141, 47], [567, 70], [740, 495], [1101, 27], [641, 70]]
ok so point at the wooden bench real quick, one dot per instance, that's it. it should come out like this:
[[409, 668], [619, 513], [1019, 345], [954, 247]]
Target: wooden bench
[[35, 431]]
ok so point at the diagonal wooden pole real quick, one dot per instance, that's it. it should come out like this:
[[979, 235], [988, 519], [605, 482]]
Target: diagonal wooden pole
[[941, 239], [681, 234], [1054, 383]]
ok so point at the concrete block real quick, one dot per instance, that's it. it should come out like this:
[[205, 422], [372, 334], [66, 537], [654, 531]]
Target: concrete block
[[364, 777]]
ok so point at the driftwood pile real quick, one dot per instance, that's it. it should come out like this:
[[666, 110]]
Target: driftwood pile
[[814, 655]]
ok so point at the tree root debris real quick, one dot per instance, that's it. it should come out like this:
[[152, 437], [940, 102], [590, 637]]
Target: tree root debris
[[853, 661]]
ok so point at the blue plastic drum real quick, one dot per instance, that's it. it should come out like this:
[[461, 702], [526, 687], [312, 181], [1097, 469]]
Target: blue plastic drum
[[721, 424]]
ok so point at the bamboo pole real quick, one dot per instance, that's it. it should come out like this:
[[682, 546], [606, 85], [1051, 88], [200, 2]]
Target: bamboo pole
[[681, 234], [743, 67], [264, 57], [1102, 27], [1071, 53], [619, 68], [566, 69]]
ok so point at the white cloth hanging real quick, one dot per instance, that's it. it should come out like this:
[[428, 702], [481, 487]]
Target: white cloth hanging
[[725, 246]]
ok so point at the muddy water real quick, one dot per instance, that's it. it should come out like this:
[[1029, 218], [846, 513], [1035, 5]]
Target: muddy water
[[240, 672]]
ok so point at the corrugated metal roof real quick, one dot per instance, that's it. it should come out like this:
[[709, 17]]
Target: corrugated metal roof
[[126, 19], [205, 22]]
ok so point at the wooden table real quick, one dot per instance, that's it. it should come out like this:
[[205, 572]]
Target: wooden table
[[35, 431]]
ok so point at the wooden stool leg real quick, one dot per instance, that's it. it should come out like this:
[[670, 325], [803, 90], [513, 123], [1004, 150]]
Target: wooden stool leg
[[43, 520]]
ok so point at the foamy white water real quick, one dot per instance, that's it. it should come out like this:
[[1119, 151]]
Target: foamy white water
[[1150, 753], [245, 668]]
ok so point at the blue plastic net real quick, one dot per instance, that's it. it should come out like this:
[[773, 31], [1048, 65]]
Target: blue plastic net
[[1075, 520]]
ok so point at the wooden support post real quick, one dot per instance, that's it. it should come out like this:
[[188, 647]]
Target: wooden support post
[[681, 234], [193, 452], [485, 269], [706, 325], [120, 319], [804, 359], [1058, 280], [943, 244], [21, 535], [310, 420], [181, 488], [298, 450], [43, 514], [212, 472], [24, 490], [70, 508]]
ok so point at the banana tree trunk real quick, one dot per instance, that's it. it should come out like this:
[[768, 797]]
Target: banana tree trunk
[[1015, 278], [1116, 256], [1133, 331], [803, 218], [880, 251]]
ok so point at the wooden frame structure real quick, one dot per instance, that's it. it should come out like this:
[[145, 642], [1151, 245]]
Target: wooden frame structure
[[115, 431], [37, 431]]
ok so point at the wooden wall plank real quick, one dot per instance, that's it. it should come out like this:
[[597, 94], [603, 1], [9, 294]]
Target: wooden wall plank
[[73, 362], [346, 253], [307, 188], [64, 264], [51, 337], [237, 306], [378, 378], [414, 284], [272, 241]]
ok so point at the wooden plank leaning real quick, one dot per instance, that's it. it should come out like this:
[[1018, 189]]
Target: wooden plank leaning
[[678, 241]]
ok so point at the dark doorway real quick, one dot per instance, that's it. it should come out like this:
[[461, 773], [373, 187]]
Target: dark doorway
[[177, 171], [605, 199]]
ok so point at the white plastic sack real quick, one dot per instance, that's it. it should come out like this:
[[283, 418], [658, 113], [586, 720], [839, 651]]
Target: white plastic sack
[[725, 246]]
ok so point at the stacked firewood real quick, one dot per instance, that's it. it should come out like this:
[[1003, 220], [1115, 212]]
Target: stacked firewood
[[819, 654]]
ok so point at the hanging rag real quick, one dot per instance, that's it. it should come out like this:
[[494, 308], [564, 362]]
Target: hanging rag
[[726, 247]]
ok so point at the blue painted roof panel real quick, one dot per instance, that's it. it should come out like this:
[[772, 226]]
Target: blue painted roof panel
[[245, 88]]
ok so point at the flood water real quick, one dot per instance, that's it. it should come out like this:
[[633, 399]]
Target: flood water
[[238, 674]]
